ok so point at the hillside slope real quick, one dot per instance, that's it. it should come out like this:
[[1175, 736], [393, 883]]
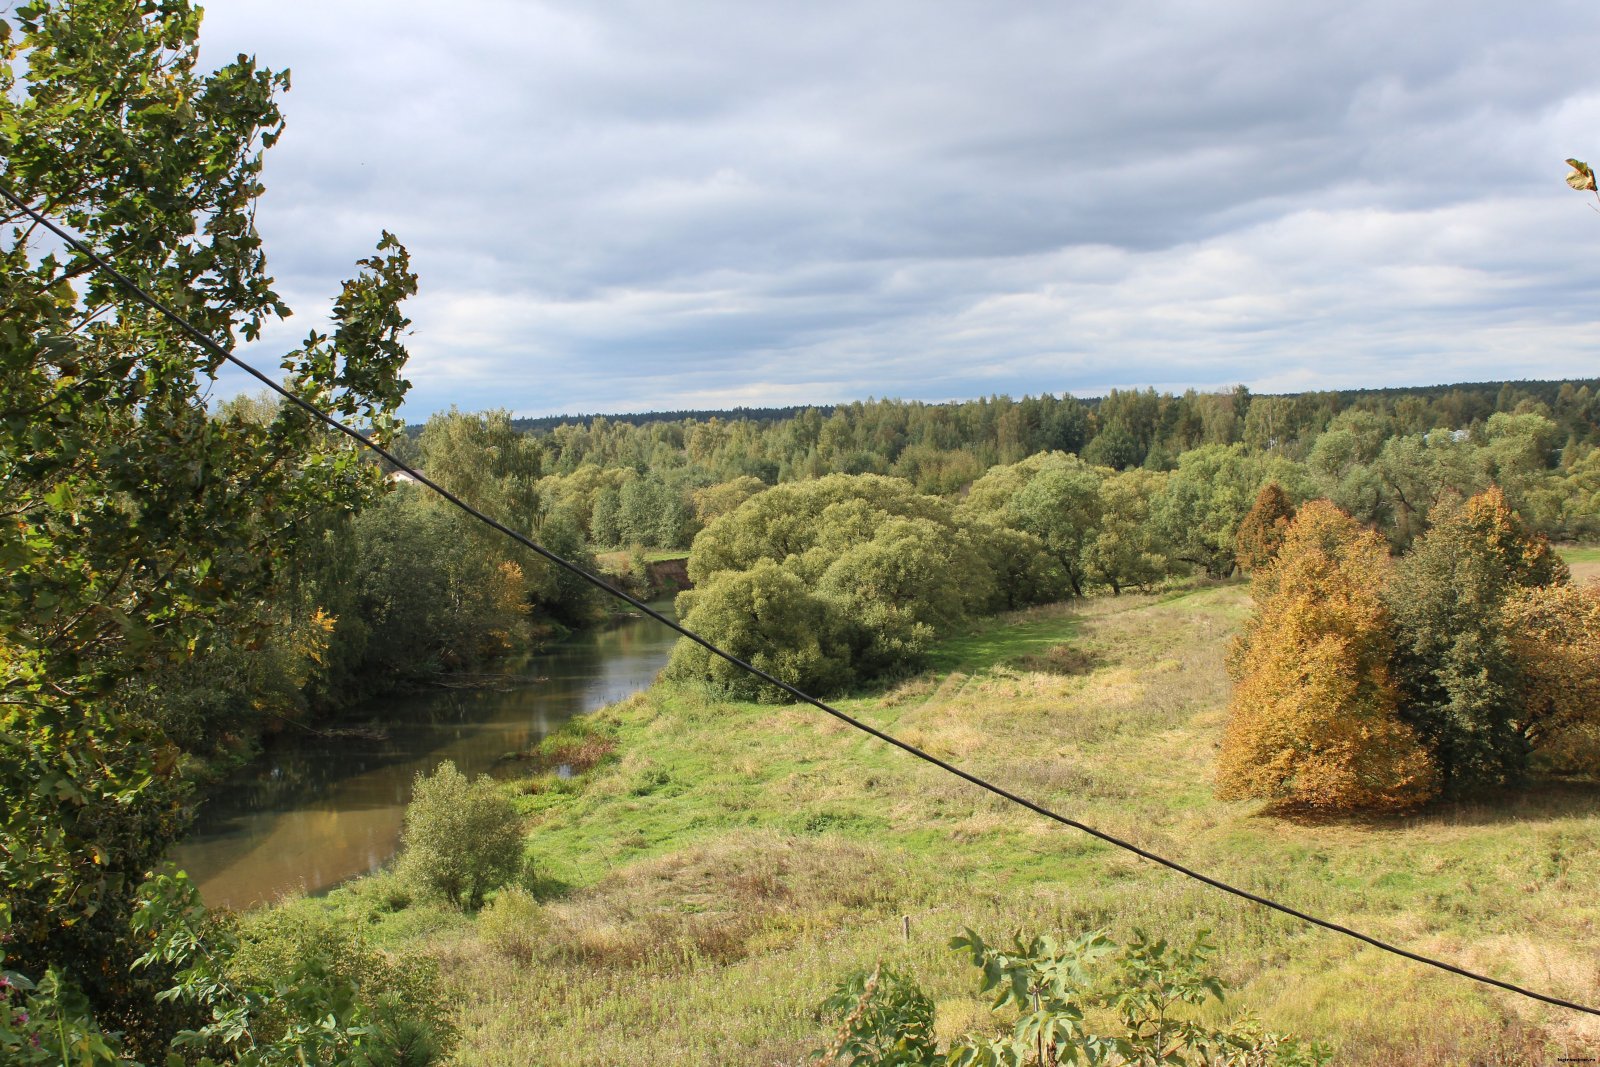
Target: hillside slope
[[702, 890]]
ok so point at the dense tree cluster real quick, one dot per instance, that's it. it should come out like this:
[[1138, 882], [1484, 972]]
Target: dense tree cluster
[[826, 582], [1382, 455], [1464, 690], [1068, 525], [402, 588], [1365, 682]]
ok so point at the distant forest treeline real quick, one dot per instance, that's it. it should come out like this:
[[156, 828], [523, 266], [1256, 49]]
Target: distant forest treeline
[[1124, 429], [1457, 405], [655, 481], [546, 423]]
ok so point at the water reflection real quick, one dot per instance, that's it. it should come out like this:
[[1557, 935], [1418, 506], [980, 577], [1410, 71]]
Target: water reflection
[[313, 812]]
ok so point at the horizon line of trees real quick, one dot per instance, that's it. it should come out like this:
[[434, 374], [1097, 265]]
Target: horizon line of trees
[[1383, 456]]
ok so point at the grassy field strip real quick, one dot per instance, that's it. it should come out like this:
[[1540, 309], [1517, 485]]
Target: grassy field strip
[[1584, 561], [704, 890]]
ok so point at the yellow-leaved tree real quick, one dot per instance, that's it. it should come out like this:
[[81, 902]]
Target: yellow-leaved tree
[[1555, 643], [1313, 721]]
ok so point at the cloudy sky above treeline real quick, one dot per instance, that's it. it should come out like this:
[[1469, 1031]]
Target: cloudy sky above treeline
[[631, 206]]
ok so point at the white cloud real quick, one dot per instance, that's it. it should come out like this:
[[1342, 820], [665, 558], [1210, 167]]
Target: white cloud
[[631, 206]]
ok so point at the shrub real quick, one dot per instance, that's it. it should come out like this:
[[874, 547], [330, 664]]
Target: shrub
[[513, 925], [400, 996], [1152, 988], [461, 838]]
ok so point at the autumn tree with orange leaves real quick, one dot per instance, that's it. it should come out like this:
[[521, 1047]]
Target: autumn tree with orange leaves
[[1261, 533], [1314, 717]]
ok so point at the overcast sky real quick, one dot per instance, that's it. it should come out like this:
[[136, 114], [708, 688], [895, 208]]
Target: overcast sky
[[632, 206]]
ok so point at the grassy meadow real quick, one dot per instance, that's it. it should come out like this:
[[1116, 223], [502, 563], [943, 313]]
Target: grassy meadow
[[711, 870], [1584, 561]]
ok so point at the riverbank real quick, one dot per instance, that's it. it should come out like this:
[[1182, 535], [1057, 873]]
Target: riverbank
[[729, 863], [311, 811], [660, 572]]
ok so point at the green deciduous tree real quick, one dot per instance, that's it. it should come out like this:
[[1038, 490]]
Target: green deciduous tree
[[714, 501], [461, 838], [428, 598], [1060, 506], [1421, 470], [1053, 496], [484, 459], [136, 525], [1461, 688], [1127, 548], [1204, 501], [896, 588], [1343, 466], [767, 616]]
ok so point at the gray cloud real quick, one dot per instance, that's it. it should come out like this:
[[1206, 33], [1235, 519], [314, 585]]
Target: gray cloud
[[630, 206]]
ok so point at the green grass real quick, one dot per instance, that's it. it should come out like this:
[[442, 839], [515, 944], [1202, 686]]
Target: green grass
[[1024, 633], [1584, 560], [702, 890], [615, 558]]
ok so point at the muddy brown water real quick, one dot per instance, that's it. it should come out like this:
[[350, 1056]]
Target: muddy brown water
[[312, 811]]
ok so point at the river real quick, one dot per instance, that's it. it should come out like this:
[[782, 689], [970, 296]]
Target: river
[[312, 812]]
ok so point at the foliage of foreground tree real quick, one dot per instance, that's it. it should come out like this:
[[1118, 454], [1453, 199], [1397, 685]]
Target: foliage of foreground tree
[[135, 526], [1314, 715], [280, 988], [1050, 991]]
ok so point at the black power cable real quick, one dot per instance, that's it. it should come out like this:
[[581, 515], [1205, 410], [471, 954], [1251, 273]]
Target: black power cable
[[982, 783]]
